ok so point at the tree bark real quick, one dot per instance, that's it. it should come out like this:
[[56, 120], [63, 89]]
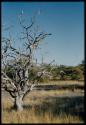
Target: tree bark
[[18, 103]]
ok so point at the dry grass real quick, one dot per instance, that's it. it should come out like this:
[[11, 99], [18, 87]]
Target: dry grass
[[68, 82], [46, 107], [29, 116]]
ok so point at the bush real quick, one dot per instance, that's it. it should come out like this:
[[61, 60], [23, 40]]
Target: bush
[[44, 79], [75, 77]]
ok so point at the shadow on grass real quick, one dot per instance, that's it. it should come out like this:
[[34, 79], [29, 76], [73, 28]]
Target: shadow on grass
[[57, 105]]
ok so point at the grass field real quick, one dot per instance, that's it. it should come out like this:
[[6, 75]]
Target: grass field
[[60, 82], [54, 106]]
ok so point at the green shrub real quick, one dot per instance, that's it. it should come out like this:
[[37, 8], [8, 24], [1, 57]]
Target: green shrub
[[75, 77]]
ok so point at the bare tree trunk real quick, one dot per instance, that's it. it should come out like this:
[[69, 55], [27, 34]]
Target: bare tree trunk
[[18, 103]]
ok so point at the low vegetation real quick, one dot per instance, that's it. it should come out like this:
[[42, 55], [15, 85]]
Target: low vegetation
[[53, 72]]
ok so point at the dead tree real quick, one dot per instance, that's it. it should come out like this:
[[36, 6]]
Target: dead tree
[[21, 62]]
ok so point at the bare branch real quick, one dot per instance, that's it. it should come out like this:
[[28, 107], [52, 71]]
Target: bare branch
[[5, 77], [17, 64], [12, 93]]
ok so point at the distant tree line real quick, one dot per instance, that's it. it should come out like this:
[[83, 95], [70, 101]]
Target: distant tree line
[[54, 72]]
